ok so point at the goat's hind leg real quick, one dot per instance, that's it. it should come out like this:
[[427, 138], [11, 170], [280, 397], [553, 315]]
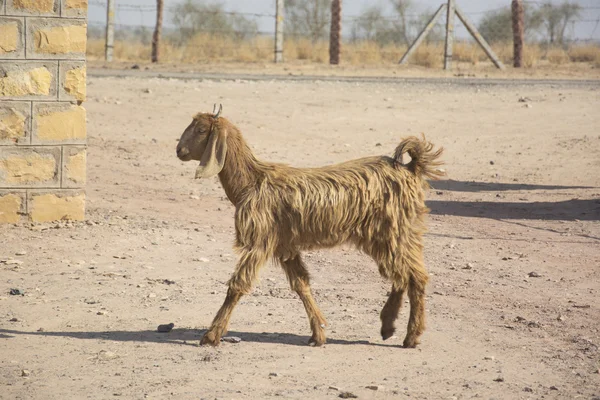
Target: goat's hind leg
[[416, 321], [299, 279], [239, 284], [390, 311]]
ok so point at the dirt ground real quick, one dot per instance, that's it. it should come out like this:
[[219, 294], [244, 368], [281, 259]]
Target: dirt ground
[[513, 251]]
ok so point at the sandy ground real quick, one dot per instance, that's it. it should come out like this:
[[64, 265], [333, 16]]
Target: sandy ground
[[513, 251]]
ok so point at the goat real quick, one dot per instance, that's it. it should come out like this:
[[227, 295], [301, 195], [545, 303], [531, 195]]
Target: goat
[[376, 203]]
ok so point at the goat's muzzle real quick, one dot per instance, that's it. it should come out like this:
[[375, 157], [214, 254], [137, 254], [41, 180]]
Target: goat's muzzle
[[183, 153]]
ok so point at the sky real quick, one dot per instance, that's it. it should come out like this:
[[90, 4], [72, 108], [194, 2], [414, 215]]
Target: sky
[[140, 12]]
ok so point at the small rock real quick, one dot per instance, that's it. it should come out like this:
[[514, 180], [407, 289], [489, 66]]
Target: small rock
[[274, 374], [101, 313], [135, 66], [499, 379], [164, 328], [373, 387], [347, 395], [16, 292], [334, 388], [553, 388], [107, 355], [490, 358], [377, 144], [528, 105], [12, 262], [168, 282], [534, 274], [204, 259], [20, 253], [492, 162], [14, 319], [25, 372], [231, 339], [194, 197], [147, 90], [528, 389], [560, 317], [468, 266]]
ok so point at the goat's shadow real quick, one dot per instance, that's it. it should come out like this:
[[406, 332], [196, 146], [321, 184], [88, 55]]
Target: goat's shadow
[[190, 337], [474, 186]]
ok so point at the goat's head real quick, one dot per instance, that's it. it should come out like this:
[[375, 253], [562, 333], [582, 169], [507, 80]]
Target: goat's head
[[204, 140]]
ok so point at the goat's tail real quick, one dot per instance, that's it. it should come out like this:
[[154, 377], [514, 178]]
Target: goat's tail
[[424, 159]]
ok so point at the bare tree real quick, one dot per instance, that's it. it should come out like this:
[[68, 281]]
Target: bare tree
[[556, 18], [308, 18], [403, 9]]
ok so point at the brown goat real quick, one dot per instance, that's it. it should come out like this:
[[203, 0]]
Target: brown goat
[[376, 203]]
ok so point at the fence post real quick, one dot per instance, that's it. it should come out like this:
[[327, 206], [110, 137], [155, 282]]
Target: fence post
[[449, 35], [279, 30], [110, 30], [518, 25], [157, 31], [335, 34]]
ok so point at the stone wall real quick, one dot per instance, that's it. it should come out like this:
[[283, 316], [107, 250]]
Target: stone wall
[[42, 122]]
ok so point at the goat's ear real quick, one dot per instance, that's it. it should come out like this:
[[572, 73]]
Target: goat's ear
[[213, 158]]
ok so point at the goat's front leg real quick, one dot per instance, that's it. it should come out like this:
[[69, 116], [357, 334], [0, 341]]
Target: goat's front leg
[[389, 313], [299, 279], [240, 283]]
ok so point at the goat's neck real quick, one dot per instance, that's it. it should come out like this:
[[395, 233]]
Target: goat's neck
[[241, 169]]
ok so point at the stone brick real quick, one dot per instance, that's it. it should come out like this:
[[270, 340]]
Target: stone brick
[[58, 123], [74, 163], [12, 38], [74, 8], [46, 206], [15, 122], [33, 7], [72, 81], [28, 80], [22, 167], [56, 38], [12, 206]]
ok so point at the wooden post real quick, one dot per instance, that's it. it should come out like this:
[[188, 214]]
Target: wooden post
[[335, 34], [477, 36], [449, 35], [423, 34], [518, 25], [157, 31], [110, 30], [279, 31]]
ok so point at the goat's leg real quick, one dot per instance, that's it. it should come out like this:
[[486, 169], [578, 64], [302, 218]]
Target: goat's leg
[[239, 284], [299, 279], [416, 321], [389, 313]]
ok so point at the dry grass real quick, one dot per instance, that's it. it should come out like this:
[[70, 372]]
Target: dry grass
[[206, 48]]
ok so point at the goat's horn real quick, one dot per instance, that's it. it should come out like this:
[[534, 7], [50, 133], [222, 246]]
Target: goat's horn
[[218, 112], [214, 108]]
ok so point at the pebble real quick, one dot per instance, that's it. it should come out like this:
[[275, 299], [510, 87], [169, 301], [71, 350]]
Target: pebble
[[14, 319], [16, 292], [468, 266], [499, 379], [491, 358], [204, 259], [275, 374], [534, 274], [334, 388], [553, 388], [528, 389], [20, 253], [164, 328], [374, 387], [25, 372], [12, 262], [347, 395], [101, 313], [231, 339]]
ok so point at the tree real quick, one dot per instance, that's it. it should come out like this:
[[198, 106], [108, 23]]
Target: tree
[[308, 18], [496, 26], [402, 9], [191, 17], [372, 26], [556, 18]]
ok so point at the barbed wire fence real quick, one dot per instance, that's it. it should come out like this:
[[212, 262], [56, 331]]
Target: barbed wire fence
[[201, 33]]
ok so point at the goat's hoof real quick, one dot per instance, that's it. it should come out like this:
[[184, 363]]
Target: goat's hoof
[[387, 333], [316, 342], [411, 343], [209, 338]]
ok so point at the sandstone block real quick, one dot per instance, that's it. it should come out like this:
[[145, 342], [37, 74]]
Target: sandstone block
[[58, 123], [46, 206], [74, 167], [74, 8], [56, 38], [72, 81], [12, 206], [23, 167], [33, 7], [12, 38], [15, 122], [28, 80]]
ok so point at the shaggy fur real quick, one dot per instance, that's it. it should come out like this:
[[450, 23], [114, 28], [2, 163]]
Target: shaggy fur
[[376, 203]]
